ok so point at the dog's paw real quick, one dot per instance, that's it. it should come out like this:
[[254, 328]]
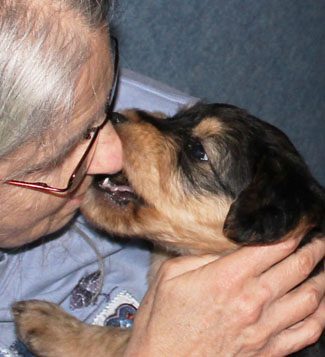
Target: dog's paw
[[45, 328]]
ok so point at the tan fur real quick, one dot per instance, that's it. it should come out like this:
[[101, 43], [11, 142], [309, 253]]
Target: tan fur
[[208, 127], [50, 331], [170, 216]]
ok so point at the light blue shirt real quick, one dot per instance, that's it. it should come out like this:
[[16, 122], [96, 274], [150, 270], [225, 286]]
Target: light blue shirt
[[89, 274]]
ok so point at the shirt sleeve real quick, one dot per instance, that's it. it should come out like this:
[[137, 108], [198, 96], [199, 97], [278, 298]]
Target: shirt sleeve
[[138, 91]]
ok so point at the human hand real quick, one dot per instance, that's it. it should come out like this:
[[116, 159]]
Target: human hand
[[249, 303]]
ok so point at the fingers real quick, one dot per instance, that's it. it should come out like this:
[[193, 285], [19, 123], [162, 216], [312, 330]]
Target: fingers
[[300, 335], [296, 305], [290, 272], [254, 260]]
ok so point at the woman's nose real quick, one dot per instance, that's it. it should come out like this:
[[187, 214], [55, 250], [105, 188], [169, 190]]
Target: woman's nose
[[107, 158]]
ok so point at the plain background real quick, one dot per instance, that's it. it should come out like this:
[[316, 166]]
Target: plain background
[[266, 56]]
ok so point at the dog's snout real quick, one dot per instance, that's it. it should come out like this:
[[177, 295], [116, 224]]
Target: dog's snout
[[118, 118]]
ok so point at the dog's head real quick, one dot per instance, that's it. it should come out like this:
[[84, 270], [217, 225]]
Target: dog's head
[[207, 179]]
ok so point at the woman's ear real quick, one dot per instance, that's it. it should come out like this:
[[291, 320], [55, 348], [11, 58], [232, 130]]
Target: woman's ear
[[281, 195]]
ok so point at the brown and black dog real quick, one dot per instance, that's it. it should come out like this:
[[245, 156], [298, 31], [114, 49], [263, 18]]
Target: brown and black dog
[[207, 180]]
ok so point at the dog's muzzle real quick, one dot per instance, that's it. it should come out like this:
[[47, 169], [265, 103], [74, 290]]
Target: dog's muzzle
[[116, 187]]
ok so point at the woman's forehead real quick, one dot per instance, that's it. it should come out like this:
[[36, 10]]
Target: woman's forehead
[[92, 89]]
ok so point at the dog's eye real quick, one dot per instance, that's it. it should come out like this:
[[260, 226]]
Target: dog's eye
[[196, 150]]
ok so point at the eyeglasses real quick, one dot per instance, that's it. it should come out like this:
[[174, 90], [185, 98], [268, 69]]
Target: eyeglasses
[[92, 134]]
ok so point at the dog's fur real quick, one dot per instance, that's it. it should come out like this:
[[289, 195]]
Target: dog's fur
[[207, 180]]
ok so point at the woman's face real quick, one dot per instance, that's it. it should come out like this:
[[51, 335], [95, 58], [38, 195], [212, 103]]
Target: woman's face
[[26, 214]]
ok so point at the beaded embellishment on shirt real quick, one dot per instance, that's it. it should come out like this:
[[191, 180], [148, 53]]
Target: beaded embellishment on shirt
[[119, 312], [86, 291], [123, 317]]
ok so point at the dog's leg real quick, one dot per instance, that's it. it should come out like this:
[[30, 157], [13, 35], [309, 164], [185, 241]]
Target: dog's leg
[[49, 331]]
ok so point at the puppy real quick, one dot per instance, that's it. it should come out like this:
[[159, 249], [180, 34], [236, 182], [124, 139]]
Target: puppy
[[207, 180]]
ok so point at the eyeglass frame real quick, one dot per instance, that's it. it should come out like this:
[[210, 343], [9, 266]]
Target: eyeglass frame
[[72, 185]]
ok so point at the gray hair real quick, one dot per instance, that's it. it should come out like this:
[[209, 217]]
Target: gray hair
[[38, 80]]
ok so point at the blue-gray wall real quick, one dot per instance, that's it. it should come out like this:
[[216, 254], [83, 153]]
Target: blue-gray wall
[[264, 55]]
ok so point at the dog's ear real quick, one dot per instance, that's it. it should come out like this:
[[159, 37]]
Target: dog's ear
[[281, 195]]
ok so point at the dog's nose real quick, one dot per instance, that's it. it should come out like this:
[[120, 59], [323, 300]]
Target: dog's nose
[[117, 118]]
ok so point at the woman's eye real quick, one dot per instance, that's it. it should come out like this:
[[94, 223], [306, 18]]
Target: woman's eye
[[88, 134], [196, 150]]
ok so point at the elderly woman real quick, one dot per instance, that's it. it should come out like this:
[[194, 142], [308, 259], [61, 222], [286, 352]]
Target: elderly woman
[[56, 90]]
